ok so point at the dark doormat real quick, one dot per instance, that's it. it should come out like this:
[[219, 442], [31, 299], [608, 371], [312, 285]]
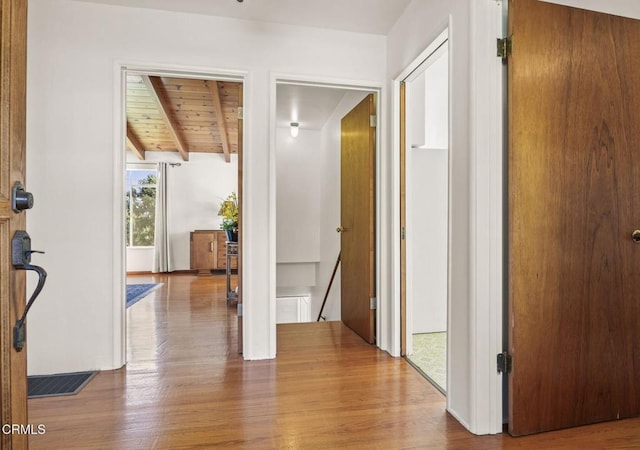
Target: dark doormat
[[58, 384]]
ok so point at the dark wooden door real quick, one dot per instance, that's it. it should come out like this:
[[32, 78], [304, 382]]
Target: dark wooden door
[[357, 210], [13, 372], [574, 202]]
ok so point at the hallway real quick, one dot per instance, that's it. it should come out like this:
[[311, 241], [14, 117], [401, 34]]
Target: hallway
[[185, 387]]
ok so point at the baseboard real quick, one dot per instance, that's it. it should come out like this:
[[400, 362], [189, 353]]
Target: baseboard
[[462, 422]]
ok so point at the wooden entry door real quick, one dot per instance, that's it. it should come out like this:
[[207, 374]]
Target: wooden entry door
[[357, 211], [13, 372], [574, 203]]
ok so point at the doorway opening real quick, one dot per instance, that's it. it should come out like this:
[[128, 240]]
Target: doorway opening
[[307, 153], [425, 214], [183, 184]]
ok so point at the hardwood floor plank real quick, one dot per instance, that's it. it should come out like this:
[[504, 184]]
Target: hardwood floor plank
[[185, 387]]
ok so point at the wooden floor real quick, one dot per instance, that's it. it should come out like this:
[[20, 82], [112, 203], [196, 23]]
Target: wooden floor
[[185, 387]]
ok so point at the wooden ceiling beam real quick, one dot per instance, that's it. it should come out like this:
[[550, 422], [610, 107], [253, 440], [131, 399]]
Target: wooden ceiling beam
[[134, 144], [222, 123], [154, 86]]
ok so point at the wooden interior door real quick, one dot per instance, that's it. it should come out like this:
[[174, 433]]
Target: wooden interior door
[[574, 203], [13, 365], [357, 216]]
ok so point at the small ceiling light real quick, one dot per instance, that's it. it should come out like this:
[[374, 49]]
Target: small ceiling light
[[295, 129]]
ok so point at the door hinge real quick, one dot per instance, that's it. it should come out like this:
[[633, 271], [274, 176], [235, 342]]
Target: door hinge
[[403, 234], [505, 47], [239, 309], [373, 121], [373, 303], [240, 113], [505, 362]]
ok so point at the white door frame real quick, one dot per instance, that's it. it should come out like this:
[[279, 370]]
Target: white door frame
[[488, 140], [122, 68], [433, 51], [382, 277], [479, 392]]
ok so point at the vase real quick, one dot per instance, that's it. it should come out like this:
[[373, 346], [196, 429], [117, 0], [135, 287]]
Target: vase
[[232, 235]]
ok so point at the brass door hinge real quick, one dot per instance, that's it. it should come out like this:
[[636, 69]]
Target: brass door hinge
[[505, 47], [504, 362]]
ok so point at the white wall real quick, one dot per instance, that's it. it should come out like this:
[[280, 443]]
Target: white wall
[[139, 259], [427, 239], [74, 51], [298, 183], [196, 189], [298, 196], [436, 119]]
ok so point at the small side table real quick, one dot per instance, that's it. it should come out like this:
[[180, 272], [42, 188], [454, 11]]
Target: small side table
[[232, 252]]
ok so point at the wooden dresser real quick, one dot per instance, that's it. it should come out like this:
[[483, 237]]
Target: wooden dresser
[[208, 251]]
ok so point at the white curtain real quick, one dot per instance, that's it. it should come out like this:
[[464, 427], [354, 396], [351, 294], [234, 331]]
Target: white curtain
[[162, 244]]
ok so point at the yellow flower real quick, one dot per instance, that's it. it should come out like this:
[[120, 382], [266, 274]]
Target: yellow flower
[[229, 211]]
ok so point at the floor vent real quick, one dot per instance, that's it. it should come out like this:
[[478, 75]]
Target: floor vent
[[58, 384]]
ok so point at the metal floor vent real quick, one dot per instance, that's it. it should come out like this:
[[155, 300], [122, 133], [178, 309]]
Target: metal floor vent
[[58, 384]]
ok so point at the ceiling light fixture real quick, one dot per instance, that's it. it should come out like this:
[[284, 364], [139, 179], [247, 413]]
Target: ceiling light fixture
[[295, 129]]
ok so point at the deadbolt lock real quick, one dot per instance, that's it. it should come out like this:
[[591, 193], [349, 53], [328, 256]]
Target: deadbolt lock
[[20, 199], [635, 236]]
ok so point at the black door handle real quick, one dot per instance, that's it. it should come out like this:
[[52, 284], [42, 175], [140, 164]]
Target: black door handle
[[21, 259], [19, 332]]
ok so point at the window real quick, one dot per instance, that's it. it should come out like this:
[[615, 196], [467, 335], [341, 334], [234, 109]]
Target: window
[[141, 207]]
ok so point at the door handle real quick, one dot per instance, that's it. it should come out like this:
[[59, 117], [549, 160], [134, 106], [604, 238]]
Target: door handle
[[635, 236], [21, 259]]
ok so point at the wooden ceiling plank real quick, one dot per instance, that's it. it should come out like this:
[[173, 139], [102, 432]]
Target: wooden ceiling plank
[[154, 85], [222, 123], [134, 144]]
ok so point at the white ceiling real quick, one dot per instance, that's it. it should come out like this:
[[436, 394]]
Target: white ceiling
[[363, 16], [310, 106]]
